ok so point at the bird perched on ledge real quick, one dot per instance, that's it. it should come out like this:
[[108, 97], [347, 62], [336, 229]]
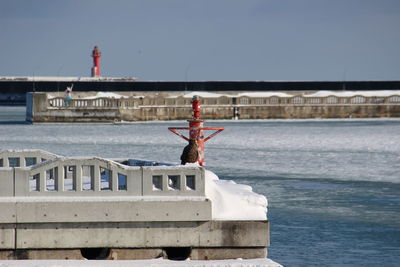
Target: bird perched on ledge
[[190, 153]]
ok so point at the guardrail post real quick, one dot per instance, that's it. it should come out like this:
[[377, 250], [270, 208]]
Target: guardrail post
[[78, 177], [7, 182], [114, 179], [96, 178], [60, 178]]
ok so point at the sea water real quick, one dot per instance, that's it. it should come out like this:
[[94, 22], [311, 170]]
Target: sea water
[[333, 186]]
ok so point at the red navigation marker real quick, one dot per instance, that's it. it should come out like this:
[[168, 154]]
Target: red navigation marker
[[96, 54], [196, 130]]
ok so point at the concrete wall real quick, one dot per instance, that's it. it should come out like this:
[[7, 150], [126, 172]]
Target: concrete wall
[[140, 106], [209, 240], [145, 234], [304, 112]]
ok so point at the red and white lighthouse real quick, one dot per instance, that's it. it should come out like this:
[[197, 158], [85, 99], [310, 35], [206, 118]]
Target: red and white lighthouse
[[96, 54]]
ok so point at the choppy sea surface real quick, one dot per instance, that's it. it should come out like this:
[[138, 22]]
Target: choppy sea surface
[[333, 186]]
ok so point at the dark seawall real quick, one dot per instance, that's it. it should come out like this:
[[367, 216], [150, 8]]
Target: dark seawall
[[14, 91], [53, 86]]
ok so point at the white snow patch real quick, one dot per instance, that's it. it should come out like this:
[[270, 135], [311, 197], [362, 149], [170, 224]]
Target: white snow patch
[[264, 94], [99, 95], [377, 93], [106, 95], [201, 94], [382, 93], [231, 201], [249, 94], [194, 164]]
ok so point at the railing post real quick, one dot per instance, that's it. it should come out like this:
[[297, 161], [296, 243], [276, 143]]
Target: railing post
[[60, 177], [96, 178], [42, 181], [6, 162], [78, 177], [114, 179]]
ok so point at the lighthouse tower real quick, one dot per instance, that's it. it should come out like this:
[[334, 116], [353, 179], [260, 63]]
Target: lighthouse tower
[[96, 62]]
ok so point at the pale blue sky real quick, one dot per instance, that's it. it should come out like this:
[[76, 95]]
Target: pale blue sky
[[203, 40]]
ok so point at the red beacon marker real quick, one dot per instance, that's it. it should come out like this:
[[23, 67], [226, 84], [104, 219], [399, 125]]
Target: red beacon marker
[[96, 54], [196, 131]]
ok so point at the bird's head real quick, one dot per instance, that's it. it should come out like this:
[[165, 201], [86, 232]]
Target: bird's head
[[193, 141]]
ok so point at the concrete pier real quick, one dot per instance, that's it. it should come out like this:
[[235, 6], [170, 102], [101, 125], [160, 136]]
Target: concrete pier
[[144, 106], [199, 240], [75, 208]]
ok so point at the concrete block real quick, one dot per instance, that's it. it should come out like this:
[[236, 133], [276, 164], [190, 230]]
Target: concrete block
[[135, 253], [8, 213], [134, 181], [228, 253], [120, 210], [143, 235], [166, 186], [7, 236], [54, 254], [22, 181], [7, 254], [235, 234], [7, 182], [48, 254], [108, 235]]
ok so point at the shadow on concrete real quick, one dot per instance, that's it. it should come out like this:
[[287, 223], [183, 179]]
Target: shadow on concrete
[[14, 122]]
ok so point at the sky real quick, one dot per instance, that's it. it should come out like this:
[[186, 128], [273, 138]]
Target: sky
[[203, 40]]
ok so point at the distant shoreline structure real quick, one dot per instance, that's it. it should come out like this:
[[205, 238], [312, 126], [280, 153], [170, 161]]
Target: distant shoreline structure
[[154, 106], [48, 84], [65, 79], [13, 89]]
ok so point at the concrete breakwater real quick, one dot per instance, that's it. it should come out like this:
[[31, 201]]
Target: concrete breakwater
[[144, 106], [56, 207]]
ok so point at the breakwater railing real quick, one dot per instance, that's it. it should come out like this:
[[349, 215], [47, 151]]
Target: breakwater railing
[[103, 102], [65, 176], [328, 100], [23, 158], [135, 102]]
